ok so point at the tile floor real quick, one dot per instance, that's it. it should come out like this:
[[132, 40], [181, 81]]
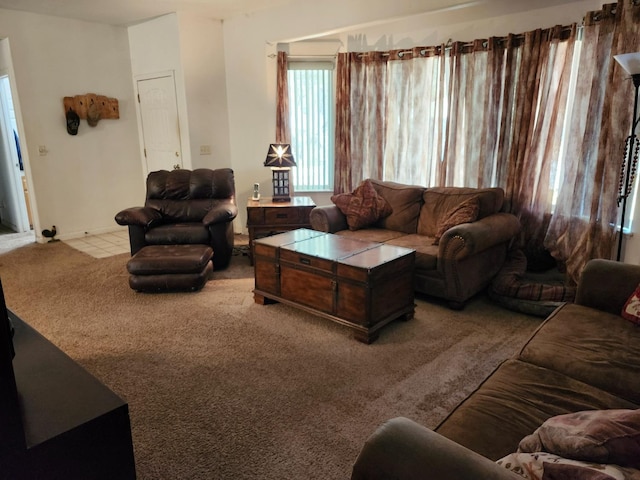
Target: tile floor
[[103, 245]]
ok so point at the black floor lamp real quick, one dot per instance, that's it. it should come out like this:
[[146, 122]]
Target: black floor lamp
[[631, 64]]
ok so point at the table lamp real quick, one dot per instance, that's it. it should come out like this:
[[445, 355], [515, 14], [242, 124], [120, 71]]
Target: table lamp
[[280, 159]]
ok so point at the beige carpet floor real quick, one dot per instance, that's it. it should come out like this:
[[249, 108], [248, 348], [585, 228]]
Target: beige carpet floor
[[222, 388]]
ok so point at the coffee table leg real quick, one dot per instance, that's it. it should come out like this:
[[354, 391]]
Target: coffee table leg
[[262, 300], [366, 337]]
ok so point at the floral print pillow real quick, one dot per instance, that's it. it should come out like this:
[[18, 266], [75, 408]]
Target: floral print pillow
[[547, 466]]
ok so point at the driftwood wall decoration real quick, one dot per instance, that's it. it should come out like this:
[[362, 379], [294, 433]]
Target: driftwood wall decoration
[[92, 107]]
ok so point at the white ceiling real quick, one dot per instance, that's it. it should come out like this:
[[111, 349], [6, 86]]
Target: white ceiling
[[127, 12]]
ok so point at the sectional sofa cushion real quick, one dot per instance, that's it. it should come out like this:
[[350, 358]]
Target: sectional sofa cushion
[[515, 400], [606, 356]]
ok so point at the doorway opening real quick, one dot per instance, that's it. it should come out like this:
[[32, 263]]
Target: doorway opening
[[16, 221]]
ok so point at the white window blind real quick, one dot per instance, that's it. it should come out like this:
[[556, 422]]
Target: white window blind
[[311, 112]]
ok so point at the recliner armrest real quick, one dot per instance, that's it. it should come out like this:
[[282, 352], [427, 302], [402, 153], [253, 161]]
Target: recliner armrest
[[402, 449], [223, 212], [478, 236], [142, 216], [328, 218]]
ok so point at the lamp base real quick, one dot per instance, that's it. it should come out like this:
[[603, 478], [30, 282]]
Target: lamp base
[[281, 191]]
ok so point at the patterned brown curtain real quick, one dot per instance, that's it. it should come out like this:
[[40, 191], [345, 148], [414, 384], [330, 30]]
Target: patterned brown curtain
[[584, 223], [342, 178], [360, 118], [283, 131], [543, 60]]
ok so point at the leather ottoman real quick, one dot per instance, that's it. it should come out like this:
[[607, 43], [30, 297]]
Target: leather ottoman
[[160, 268]]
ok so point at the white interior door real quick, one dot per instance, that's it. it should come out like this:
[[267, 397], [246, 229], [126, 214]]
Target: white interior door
[[13, 207], [160, 124]]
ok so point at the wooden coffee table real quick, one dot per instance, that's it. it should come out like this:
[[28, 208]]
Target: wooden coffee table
[[362, 285]]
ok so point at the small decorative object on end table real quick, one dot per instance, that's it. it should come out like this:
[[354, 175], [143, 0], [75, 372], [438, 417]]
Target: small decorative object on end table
[[266, 217]]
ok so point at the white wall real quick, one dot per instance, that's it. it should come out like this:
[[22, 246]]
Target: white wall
[[202, 54], [83, 180], [155, 49], [192, 47]]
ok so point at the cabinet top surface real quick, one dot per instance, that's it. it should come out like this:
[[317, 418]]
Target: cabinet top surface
[[268, 202]]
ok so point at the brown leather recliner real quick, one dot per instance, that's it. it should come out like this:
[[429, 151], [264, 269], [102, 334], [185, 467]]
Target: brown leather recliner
[[186, 207]]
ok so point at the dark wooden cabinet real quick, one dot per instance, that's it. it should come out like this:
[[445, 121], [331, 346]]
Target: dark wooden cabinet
[[58, 421], [265, 217]]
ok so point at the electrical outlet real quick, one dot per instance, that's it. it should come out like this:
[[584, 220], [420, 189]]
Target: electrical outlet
[[205, 149]]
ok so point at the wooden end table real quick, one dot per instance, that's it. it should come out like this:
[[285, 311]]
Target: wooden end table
[[266, 217]]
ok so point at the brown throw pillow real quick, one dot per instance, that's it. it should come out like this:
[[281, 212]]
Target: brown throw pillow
[[466, 212], [363, 207], [600, 436], [631, 309]]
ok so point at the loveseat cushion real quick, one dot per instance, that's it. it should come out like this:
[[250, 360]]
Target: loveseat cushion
[[379, 235], [426, 252], [515, 400], [592, 346], [405, 201], [439, 201]]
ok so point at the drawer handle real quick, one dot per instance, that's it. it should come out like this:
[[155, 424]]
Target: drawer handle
[[305, 261], [281, 215]]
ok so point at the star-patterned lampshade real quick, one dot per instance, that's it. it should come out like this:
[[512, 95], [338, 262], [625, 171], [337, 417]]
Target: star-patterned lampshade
[[279, 155]]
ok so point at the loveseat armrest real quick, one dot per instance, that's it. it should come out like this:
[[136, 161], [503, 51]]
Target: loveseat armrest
[[404, 450], [141, 216], [470, 238], [220, 213], [328, 218], [606, 284]]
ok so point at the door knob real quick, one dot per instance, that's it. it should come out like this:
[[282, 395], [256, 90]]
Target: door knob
[[177, 154]]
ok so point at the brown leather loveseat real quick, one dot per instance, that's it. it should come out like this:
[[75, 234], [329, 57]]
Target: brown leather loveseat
[[186, 207], [467, 255]]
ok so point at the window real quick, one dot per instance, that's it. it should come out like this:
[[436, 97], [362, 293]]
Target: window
[[311, 111]]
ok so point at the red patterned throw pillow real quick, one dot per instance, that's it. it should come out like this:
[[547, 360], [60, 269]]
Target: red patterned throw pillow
[[631, 309], [363, 207], [464, 213]]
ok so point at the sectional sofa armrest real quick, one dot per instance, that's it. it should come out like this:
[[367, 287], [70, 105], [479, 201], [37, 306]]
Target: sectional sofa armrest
[[470, 238], [404, 450], [328, 218], [141, 216], [220, 213], [606, 285]]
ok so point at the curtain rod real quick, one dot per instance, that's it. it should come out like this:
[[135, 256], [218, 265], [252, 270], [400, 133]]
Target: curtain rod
[[449, 45]]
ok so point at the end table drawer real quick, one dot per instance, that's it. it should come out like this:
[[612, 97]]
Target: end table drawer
[[284, 216]]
